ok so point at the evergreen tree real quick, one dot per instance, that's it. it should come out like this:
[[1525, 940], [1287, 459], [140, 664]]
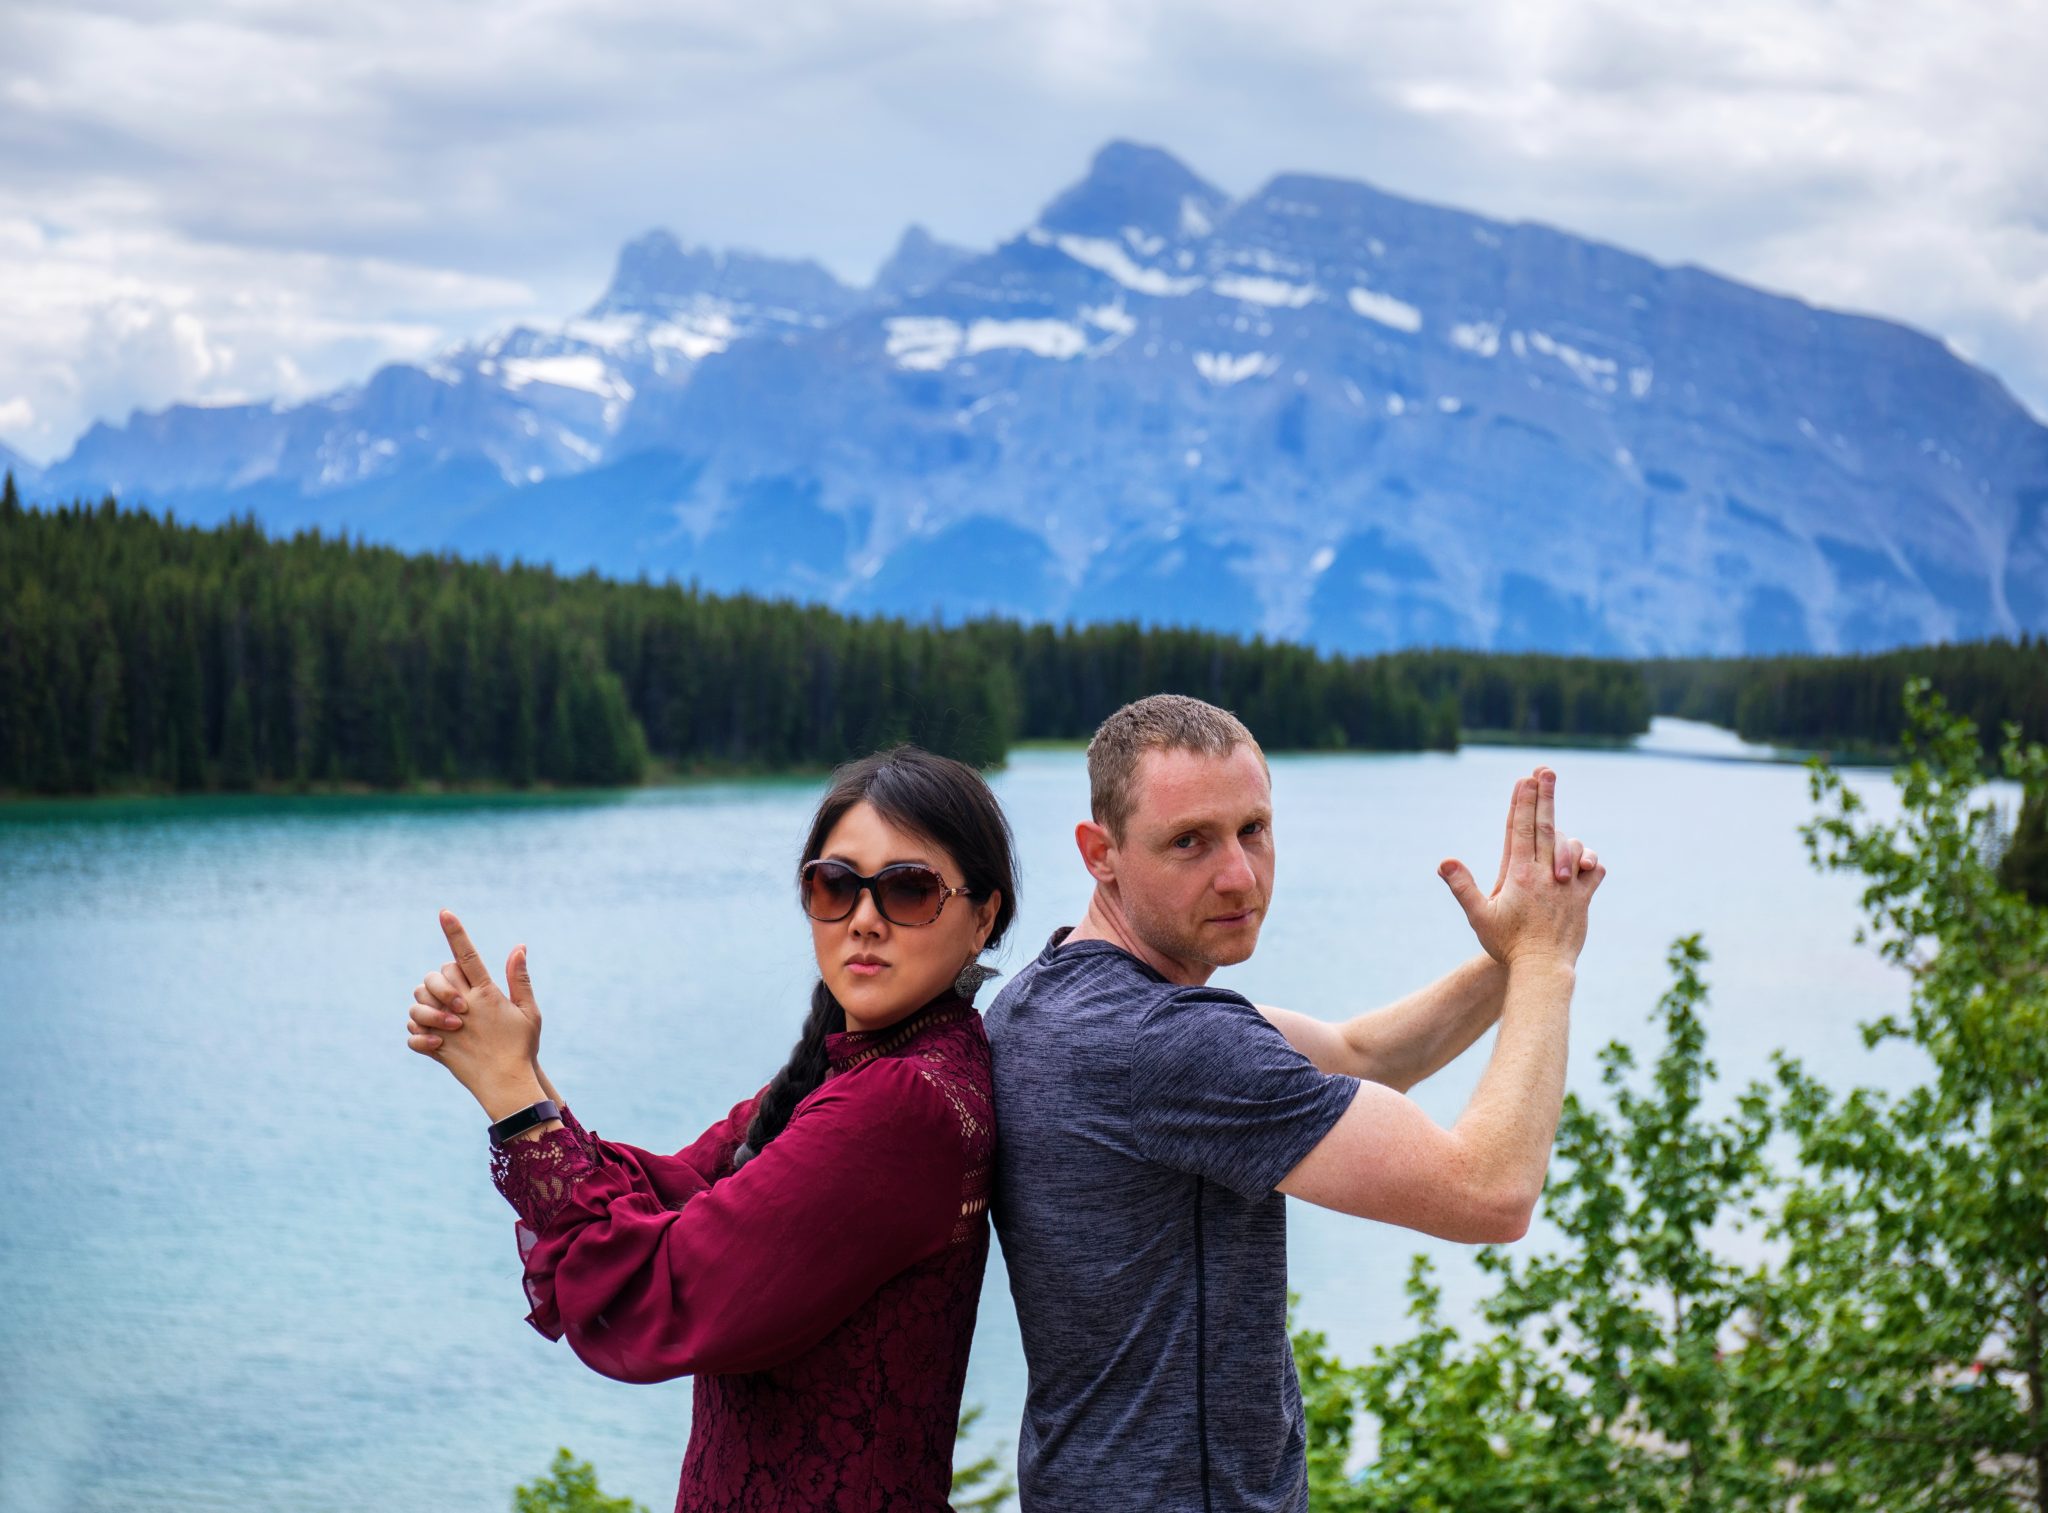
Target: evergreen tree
[[558, 742], [2023, 859], [48, 771], [387, 761], [238, 742], [106, 714], [524, 746], [304, 704]]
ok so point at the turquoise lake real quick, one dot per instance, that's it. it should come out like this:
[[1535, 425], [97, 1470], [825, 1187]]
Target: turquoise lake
[[252, 1256]]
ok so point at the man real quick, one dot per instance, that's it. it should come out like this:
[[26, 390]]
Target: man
[[1149, 1124]]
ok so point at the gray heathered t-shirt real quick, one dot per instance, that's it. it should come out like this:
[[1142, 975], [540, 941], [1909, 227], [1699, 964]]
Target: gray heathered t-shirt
[[1141, 1127]]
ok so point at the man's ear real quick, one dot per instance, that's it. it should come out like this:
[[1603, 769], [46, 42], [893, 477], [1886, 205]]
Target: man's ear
[[1098, 851]]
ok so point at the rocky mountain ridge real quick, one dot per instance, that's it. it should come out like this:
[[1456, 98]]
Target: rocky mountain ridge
[[1319, 411]]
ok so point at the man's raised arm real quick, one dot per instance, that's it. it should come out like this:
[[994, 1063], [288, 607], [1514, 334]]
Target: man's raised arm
[[1410, 1038], [1479, 1180], [1419, 1035]]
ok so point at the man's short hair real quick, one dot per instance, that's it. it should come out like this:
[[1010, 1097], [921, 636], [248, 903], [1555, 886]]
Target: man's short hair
[[1159, 722]]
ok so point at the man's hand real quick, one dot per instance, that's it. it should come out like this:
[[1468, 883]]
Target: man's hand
[[1538, 905], [499, 1036]]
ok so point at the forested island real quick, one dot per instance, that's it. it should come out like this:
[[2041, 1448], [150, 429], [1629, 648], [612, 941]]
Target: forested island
[[138, 654]]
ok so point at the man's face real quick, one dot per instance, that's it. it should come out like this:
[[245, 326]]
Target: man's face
[[1195, 866]]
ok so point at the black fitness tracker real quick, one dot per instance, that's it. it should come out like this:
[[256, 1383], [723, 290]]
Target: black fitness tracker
[[525, 1119]]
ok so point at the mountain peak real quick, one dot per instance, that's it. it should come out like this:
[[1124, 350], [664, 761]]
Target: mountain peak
[[919, 261], [656, 273], [1130, 184]]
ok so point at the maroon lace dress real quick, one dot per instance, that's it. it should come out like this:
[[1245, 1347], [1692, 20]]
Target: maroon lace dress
[[823, 1295]]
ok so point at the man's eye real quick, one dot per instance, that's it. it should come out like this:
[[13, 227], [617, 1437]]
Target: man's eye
[[1256, 827], [1184, 841]]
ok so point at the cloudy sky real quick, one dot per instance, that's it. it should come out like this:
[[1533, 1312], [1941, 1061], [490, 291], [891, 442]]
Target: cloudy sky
[[259, 198]]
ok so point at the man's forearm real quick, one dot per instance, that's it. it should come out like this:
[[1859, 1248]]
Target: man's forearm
[[1511, 1122], [1417, 1036]]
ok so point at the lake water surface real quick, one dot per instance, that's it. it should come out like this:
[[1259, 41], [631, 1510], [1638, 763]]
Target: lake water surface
[[250, 1254]]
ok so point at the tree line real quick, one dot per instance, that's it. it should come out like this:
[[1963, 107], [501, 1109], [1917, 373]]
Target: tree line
[[1853, 701], [140, 653]]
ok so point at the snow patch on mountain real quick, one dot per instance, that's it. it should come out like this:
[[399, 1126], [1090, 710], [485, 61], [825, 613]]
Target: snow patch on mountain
[[1482, 338], [931, 342], [695, 338], [1106, 256], [1593, 372], [1387, 310], [608, 333], [1112, 317], [1265, 291], [922, 341], [1226, 368], [569, 370], [1056, 339]]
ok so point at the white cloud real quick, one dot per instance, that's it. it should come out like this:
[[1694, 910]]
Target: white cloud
[[95, 325], [331, 187]]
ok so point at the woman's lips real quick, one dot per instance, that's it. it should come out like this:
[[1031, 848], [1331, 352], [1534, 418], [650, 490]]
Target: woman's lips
[[865, 968]]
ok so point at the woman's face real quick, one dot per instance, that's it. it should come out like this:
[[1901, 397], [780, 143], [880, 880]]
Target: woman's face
[[880, 971]]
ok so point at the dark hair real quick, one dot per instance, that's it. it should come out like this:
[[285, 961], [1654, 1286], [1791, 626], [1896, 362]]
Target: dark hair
[[943, 801]]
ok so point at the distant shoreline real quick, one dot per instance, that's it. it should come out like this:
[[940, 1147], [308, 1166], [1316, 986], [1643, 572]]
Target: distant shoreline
[[667, 776], [661, 776], [1846, 755]]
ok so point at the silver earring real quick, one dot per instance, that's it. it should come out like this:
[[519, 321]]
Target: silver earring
[[971, 977]]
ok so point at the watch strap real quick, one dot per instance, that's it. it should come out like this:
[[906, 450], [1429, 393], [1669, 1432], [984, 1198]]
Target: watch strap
[[525, 1119]]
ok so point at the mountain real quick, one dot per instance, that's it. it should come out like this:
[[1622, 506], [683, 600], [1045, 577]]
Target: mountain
[[410, 455], [26, 474], [1320, 411], [918, 261]]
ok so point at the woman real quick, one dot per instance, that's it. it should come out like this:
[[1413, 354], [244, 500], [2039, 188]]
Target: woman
[[815, 1258]]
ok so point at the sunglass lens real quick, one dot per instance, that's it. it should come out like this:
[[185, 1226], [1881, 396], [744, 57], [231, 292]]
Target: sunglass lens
[[910, 895], [829, 891]]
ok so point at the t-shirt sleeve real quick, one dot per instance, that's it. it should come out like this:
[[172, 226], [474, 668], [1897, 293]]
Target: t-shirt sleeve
[[1216, 1090]]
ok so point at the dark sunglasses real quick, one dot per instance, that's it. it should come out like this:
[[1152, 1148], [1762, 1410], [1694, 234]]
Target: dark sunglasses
[[906, 893]]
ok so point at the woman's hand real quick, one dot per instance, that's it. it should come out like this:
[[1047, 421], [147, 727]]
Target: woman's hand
[[500, 1035]]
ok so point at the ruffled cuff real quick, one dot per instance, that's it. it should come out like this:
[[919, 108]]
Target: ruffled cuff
[[541, 1312], [536, 1177]]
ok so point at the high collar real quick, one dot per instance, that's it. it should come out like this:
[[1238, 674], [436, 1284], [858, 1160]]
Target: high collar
[[847, 1049]]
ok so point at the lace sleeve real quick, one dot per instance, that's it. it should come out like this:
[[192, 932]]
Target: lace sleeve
[[754, 1269], [536, 1175]]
